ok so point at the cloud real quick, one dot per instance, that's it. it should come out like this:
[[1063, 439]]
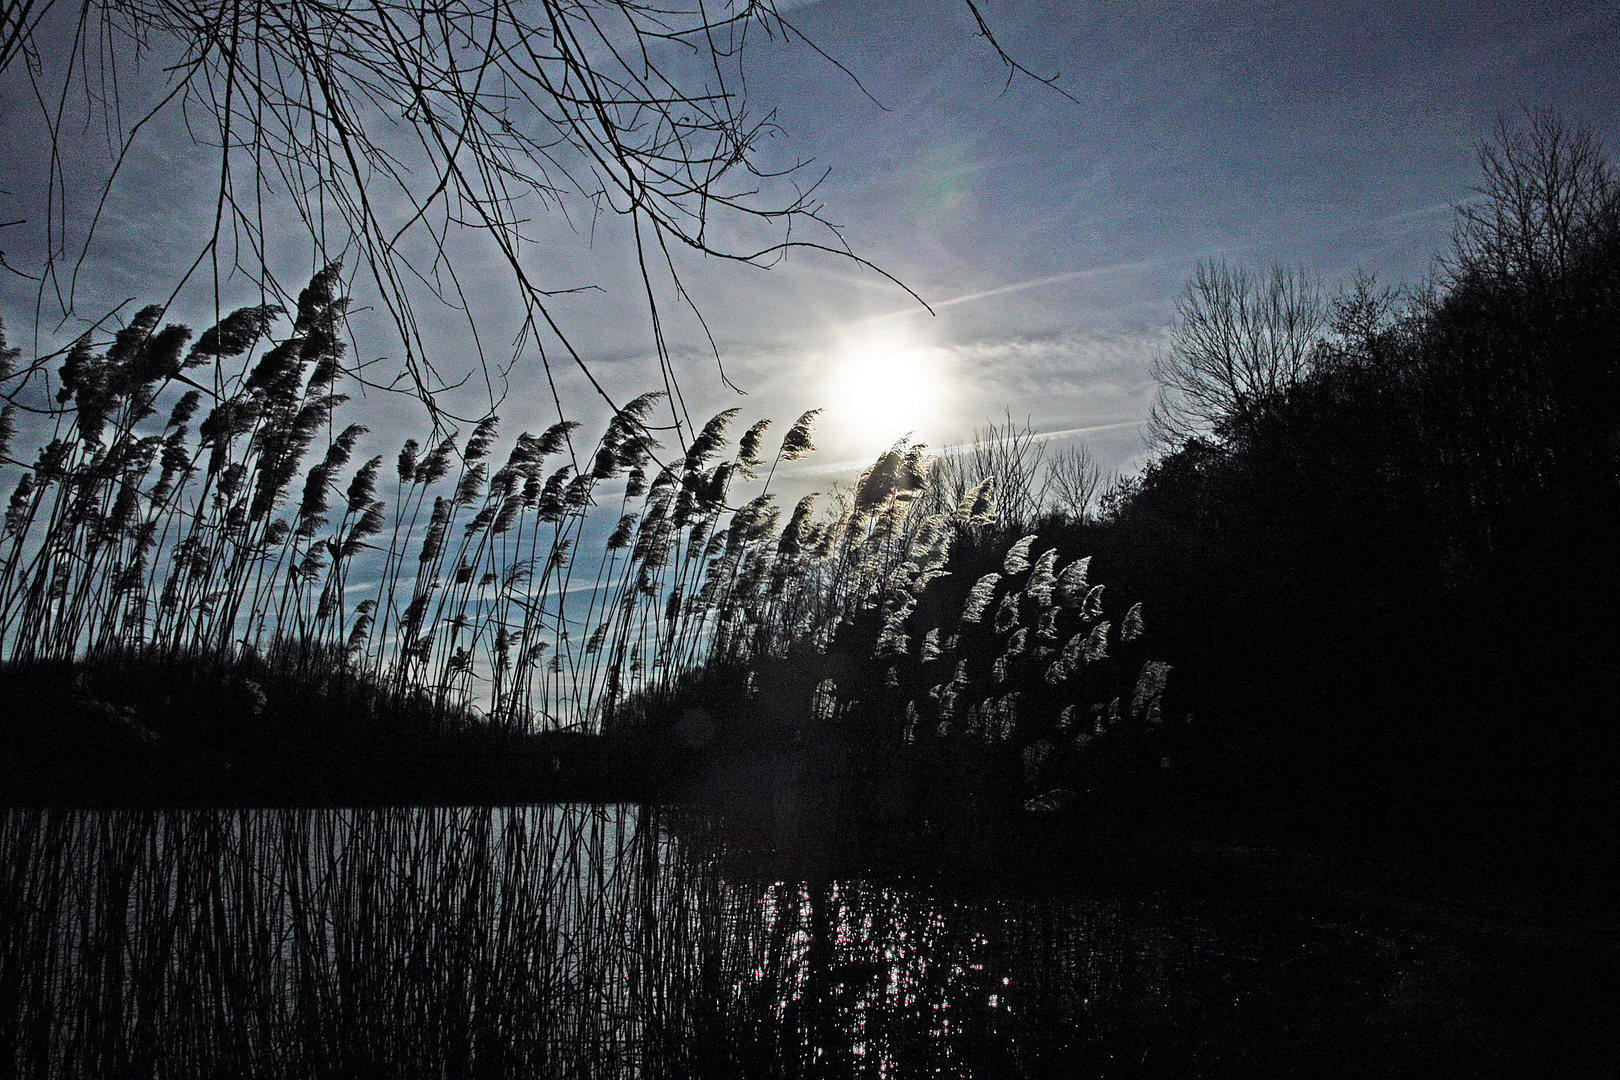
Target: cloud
[[1079, 375]]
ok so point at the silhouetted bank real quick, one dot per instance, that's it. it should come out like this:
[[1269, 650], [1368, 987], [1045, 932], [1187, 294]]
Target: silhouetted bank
[[161, 730], [1386, 582]]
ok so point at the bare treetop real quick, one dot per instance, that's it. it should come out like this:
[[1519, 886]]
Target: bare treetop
[[1547, 189], [1239, 338]]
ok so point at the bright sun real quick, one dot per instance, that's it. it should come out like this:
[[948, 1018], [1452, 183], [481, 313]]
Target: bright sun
[[881, 386]]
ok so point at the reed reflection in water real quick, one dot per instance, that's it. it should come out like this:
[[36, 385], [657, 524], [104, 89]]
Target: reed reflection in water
[[585, 941]]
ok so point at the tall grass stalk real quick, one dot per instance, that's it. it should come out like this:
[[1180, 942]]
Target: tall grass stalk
[[263, 530], [574, 941]]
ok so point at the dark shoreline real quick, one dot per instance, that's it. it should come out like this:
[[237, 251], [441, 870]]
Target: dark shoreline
[[803, 811], [144, 731]]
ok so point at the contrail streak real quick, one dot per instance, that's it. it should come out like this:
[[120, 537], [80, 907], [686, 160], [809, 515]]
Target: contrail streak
[[1018, 286], [837, 467], [1143, 264]]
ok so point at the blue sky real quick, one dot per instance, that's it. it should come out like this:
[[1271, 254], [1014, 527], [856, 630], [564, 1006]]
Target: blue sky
[[1049, 234]]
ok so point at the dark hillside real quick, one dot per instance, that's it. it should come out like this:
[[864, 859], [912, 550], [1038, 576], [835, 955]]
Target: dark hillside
[[1394, 581]]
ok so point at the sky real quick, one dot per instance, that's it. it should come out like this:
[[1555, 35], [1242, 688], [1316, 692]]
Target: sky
[[1048, 233]]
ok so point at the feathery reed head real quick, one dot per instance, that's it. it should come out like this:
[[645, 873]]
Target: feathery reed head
[[479, 442], [797, 442], [748, 447], [979, 597], [407, 460], [978, 505], [1017, 560], [233, 335], [555, 437]]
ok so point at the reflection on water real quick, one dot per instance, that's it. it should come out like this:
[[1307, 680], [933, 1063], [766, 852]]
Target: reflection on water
[[590, 941]]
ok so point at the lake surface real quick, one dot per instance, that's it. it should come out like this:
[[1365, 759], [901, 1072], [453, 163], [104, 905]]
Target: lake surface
[[582, 941]]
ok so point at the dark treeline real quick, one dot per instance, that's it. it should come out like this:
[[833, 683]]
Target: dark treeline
[[1386, 572], [286, 728], [1373, 558]]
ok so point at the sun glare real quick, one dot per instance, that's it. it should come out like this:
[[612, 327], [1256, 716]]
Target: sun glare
[[882, 386]]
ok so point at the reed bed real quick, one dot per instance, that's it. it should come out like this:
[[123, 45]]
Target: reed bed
[[265, 533], [573, 941], [296, 943]]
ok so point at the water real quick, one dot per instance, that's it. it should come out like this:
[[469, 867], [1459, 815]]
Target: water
[[624, 942]]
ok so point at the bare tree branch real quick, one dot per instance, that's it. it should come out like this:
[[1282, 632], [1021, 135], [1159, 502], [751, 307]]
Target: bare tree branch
[[384, 128]]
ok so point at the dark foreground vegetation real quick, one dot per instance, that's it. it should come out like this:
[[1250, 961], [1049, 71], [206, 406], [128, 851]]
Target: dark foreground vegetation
[[576, 941], [399, 646], [1375, 558]]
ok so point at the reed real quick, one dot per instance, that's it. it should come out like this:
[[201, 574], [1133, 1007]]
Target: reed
[[575, 941], [264, 533]]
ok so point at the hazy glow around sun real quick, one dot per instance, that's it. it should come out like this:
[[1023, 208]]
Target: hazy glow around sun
[[881, 385]]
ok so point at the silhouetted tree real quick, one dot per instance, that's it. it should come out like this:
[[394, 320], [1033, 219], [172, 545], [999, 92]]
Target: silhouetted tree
[[1548, 197], [1073, 480], [1007, 451], [1239, 338]]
